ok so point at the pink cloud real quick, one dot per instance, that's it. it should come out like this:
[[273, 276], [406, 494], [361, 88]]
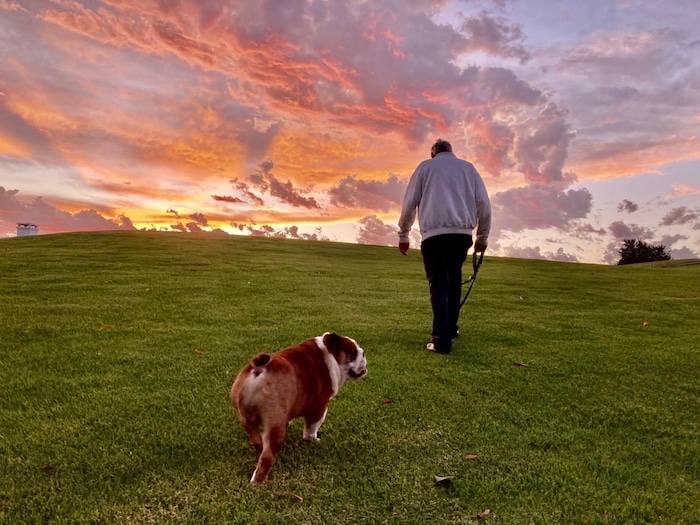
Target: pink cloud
[[539, 207], [372, 230], [685, 190], [52, 219], [542, 147], [373, 194]]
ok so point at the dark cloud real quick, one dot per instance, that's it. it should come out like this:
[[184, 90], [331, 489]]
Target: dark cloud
[[194, 227], [586, 231], [245, 190], [227, 198], [561, 256], [197, 226], [627, 206], [352, 192], [621, 231], [681, 215], [199, 219], [265, 181], [494, 36], [287, 232]]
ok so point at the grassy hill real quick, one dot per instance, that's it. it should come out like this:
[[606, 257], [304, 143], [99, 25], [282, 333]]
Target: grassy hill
[[572, 395]]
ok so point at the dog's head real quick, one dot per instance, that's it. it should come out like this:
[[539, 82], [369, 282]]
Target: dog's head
[[350, 357]]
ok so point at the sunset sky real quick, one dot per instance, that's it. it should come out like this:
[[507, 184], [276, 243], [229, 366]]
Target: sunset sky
[[305, 118]]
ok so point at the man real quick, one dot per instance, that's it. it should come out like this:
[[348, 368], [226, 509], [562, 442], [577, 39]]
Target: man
[[452, 201]]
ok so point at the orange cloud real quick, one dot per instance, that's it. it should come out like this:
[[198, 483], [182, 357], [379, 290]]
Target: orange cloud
[[684, 190], [608, 160]]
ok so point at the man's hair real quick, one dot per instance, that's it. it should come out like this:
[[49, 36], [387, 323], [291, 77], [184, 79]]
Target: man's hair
[[439, 147]]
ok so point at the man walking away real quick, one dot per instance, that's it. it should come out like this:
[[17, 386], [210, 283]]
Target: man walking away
[[452, 201]]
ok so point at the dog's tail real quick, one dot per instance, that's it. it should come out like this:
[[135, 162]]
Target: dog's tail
[[260, 361]]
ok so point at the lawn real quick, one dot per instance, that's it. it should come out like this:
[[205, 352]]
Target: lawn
[[572, 395]]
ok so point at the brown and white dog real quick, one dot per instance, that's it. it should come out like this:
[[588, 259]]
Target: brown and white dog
[[296, 382]]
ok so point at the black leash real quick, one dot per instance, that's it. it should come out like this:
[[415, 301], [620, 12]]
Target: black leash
[[476, 263]]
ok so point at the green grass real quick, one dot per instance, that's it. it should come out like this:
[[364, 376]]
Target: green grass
[[575, 386]]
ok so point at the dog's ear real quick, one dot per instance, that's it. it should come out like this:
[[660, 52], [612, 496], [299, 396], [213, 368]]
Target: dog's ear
[[341, 347], [261, 359], [332, 340]]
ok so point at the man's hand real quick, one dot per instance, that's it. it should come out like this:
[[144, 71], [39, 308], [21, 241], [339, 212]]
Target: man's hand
[[403, 248], [480, 245]]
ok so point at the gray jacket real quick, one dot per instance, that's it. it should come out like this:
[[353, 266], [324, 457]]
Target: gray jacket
[[450, 197]]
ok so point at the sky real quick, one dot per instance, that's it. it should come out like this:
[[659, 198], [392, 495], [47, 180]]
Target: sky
[[306, 118]]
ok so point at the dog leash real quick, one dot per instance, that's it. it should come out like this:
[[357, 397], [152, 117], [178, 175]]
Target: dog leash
[[476, 263]]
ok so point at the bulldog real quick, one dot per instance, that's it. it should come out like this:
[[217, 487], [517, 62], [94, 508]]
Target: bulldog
[[296, 382]]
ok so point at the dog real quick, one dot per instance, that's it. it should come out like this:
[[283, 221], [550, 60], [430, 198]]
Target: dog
[[299, 381]]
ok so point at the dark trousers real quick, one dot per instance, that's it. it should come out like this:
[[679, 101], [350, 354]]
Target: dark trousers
[[443, 257]]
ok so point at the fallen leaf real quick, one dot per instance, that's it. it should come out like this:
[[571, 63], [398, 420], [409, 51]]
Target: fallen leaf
[[482, 515], [48, 468], [387, 402], [107, 326], [645, 323], [471, 456], [443, 480], [199, 352], [24, 332], [519, 364], [293, 496]]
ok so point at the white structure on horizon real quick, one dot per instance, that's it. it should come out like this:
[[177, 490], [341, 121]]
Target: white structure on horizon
[[24, 229]]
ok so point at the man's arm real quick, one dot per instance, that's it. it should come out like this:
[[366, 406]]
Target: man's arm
[[483, 209], [411, 200]]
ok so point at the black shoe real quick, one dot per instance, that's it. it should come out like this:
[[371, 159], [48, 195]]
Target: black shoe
[[432, 347]]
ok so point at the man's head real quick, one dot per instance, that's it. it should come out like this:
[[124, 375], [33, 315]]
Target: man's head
[[439, 147]]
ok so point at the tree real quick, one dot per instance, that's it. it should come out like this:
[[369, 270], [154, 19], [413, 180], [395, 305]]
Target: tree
[[637, 251]]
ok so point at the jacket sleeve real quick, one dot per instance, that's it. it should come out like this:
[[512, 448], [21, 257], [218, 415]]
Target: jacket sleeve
[[411, 200], [483, 209]]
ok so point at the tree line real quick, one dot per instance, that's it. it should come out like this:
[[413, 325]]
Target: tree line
[[637, 251]]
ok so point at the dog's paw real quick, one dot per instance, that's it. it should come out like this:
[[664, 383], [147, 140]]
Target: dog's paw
[[312, 437]]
